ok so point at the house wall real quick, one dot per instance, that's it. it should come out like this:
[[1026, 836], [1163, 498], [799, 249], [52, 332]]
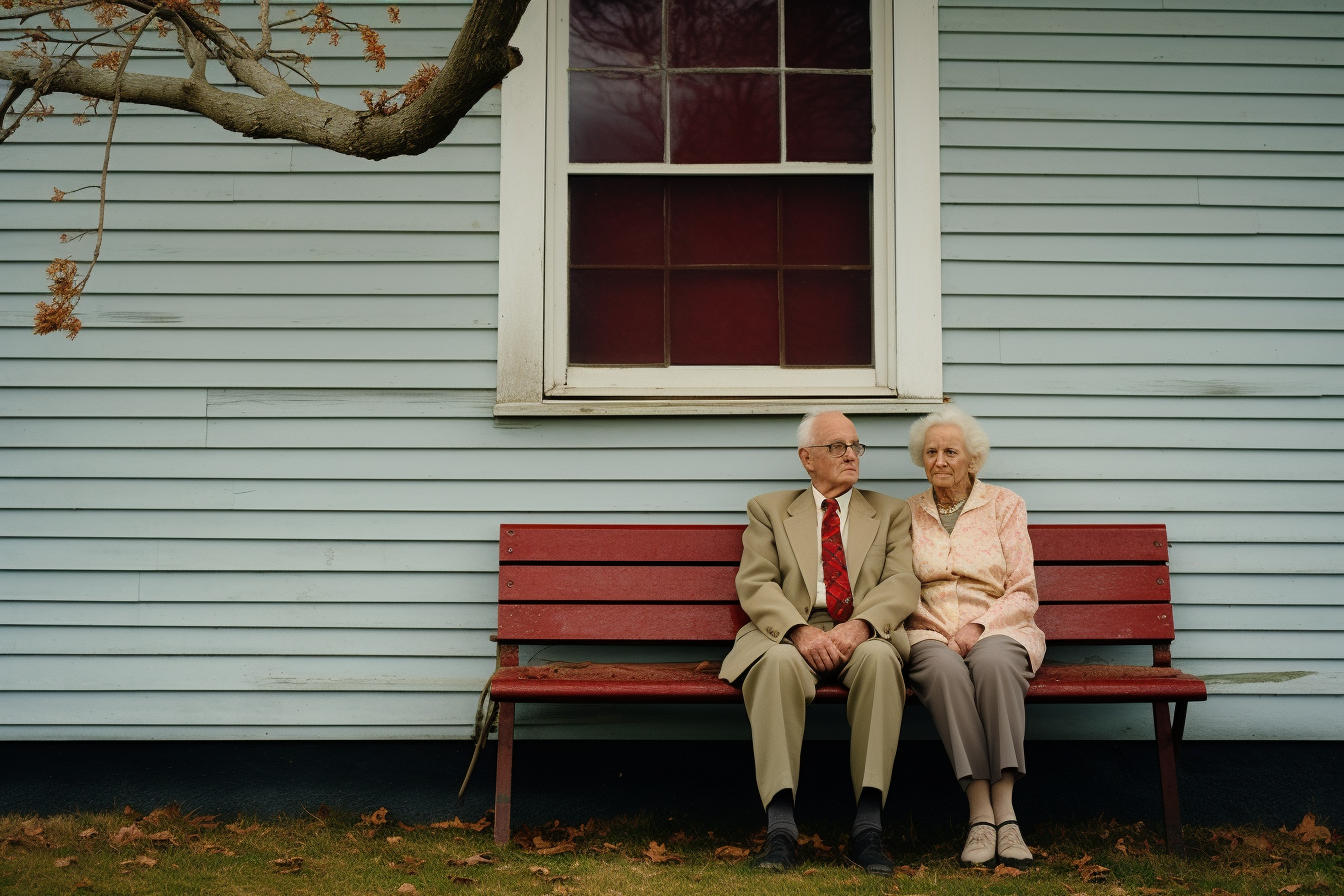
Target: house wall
[[258, 496]]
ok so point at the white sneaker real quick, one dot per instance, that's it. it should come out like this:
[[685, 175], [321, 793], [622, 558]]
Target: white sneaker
[[980, 844], [1012, 849]]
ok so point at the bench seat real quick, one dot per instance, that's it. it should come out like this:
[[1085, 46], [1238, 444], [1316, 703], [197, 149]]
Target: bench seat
[[699, 683]]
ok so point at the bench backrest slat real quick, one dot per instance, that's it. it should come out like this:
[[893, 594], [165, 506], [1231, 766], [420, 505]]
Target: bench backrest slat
[[579, 623], [618, 583]]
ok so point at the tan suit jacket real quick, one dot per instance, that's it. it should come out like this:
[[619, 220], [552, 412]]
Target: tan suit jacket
[[777, 581]]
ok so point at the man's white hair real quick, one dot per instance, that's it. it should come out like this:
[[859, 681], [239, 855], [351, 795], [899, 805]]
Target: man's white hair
[[809, 422], [972, 433]]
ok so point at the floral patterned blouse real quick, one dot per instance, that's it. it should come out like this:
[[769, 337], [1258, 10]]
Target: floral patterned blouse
[[982, 572]]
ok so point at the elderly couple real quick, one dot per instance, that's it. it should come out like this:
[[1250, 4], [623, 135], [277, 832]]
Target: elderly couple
[[853, 586]]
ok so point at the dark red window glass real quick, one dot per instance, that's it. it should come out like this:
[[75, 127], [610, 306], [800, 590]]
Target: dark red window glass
[[615, 33], [723, 33], [725, 118], [616, 317], [723, 220], [827, 220], [828, 318], [616, 220], [758, 269], [725, 317], [827, 34], [830, 118], [615, 117]]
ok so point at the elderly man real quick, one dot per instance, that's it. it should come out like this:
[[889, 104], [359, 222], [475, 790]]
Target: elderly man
[[826, 581]]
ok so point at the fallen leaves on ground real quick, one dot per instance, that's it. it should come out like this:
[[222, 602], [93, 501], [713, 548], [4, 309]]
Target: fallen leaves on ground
[[815, 842], [237, 827], [88, 832], [658, 854], [128, 834], [462, 880], [288, 864], [1091, 873], [162, 837], [394, 839], [461, 825], [374, 818], [911, 872], [147, 861], [213, 849], [1002, 870], [481, 858], [67, 861], [407, 865], [1308, 830], [731, 853], [406, 889], [1291, 888]]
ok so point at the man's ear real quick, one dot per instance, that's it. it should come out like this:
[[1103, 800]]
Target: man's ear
[[806, 457]]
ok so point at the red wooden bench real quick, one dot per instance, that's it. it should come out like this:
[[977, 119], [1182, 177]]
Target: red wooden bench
[[589, 584]]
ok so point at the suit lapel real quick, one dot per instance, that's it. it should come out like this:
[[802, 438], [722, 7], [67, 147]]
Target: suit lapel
[[800, 525], [862, 534]]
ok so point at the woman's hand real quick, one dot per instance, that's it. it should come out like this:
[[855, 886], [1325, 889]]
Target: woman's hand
[[965, 639]]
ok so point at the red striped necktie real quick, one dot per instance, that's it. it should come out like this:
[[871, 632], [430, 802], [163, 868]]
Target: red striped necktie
[[839, 600]]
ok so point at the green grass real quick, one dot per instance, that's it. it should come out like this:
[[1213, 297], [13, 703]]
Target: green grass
[[171, 853]]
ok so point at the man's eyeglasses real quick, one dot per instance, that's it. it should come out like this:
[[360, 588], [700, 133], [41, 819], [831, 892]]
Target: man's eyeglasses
[[838, 449]]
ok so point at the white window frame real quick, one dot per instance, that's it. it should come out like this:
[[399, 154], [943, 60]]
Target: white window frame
[[533, 377]]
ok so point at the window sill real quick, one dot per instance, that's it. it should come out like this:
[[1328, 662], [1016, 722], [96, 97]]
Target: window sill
[[711, 407]]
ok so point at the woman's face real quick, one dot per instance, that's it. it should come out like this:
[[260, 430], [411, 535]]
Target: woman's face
[[946, 463]]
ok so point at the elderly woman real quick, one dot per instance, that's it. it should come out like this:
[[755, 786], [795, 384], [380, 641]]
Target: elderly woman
[[974, 644]]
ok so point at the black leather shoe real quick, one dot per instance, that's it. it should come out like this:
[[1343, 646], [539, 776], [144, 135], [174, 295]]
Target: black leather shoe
[[781, 852], [865, 850]]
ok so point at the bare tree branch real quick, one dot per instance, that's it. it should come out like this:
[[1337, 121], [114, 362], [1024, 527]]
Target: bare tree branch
[[479, 59]]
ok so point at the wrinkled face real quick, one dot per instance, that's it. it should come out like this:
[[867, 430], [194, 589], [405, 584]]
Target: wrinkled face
[[832, 476], [946, 462]]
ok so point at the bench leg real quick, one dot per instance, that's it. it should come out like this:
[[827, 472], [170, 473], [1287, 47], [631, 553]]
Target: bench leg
[[1178, 726], [1166, 762], [504, 774]]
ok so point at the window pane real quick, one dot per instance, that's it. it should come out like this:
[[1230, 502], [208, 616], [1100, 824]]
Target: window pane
[[830, 118], [723, 220], [827, 220], [723, 33], [725, 317], [725, 118], [615, 32], [616, 220], [828, 318], [827, 34], [615, 317], [615, 117]]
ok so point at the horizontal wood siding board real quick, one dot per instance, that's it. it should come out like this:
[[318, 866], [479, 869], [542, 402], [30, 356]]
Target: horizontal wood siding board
[[577, 623]]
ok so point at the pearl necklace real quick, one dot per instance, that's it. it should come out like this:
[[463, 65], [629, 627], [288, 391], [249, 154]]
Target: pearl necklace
[[948, 511]]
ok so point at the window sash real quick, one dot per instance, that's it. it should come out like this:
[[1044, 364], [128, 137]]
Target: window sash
[[561, 379]]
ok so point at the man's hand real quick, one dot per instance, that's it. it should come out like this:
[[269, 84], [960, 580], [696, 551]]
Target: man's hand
[[965, 639], [848, 635], [817, 648]]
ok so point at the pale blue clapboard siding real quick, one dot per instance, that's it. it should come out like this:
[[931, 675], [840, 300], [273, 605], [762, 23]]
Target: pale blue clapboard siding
[[259, 496]]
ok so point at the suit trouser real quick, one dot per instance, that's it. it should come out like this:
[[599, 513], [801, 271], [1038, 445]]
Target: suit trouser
[[976, 703], [779, 687]]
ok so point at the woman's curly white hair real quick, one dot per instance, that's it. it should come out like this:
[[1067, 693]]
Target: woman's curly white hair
[[972, 433]]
